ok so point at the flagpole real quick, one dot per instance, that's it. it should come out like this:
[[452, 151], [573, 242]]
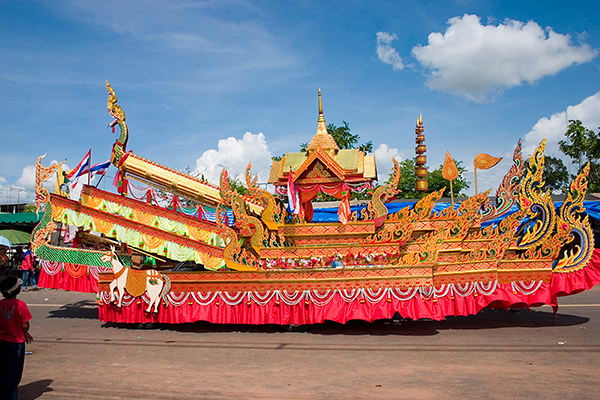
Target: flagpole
[[100, 180], [90, 168]]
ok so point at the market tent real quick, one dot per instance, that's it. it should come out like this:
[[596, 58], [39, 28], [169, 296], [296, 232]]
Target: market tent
[[20, 221], [16, 237]]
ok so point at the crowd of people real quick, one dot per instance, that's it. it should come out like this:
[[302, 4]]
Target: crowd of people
[[21, 264]]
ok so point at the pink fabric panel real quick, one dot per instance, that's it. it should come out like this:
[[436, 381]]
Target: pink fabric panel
[[62, 280], [578, 281], [338, 308]]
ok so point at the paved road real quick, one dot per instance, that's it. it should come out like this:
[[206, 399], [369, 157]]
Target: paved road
[[493, 355]]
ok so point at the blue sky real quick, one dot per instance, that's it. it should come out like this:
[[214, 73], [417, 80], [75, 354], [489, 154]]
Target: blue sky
[[212, 84]]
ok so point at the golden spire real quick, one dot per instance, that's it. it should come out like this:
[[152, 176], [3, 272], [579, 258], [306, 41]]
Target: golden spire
[[421, 159], [322, 139], [321, 128]]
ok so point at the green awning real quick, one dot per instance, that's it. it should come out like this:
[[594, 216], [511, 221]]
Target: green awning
[[20, 221], [20, 218]]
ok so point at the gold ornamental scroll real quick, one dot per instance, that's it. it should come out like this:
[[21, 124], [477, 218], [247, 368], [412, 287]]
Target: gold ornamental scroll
[[484, 161], [450, 172]]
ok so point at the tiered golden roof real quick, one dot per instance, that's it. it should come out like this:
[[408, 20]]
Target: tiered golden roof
[[351, 165], [322, 139]]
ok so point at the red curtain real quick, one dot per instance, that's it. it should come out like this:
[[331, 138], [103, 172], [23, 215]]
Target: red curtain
[[341, 310], [62, 280], [310, 192]]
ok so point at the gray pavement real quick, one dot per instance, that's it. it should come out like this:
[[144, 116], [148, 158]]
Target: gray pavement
[[494, 355]]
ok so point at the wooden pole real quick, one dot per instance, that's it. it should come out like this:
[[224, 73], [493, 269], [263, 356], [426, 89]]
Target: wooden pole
[[89, 168], [475, 170]]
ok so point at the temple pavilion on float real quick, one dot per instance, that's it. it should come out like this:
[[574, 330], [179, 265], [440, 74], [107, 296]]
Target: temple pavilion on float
[[323, 168]]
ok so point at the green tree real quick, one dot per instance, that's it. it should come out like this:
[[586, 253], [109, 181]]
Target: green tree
[[238, 186], [555, 175], [435, 180], [582, 145]]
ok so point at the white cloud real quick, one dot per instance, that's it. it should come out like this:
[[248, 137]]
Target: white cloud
[[27, 179], [386, 52], [234, 155], [472, 60], [2, 180], [553, 128], [383, 158]]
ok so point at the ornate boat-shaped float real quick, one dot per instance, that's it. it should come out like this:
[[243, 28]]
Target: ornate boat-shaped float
[[262, 264]]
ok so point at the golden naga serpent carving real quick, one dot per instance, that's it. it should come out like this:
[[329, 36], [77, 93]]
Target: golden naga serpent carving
[[272, 213], [248, 225], [115, 110], [507, 194], [42, 196], [376, 209], [576, 226], [537, 204], [42, 174]]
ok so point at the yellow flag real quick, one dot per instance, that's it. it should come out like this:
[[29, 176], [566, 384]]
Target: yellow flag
[[485, 161], [449, 169]]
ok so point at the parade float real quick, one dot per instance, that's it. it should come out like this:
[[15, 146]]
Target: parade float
[[262, 258]]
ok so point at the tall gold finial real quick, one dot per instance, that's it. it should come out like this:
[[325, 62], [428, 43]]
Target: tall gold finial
[[421, 159], [321, 117], [321, 128], [322, 139]]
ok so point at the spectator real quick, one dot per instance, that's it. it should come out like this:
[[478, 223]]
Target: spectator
[[17, 258], [28, 271], [37, 267], [3, 260], [14, 333]]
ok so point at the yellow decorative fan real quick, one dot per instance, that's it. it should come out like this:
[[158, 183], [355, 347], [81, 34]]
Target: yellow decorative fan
[[484, 161], [450, 172]]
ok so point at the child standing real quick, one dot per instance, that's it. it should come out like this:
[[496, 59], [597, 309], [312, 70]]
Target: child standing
[[14, 333]]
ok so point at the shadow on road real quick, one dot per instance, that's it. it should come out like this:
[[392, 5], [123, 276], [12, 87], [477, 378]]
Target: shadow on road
[[485, 319], [85, 309], [34, 390]]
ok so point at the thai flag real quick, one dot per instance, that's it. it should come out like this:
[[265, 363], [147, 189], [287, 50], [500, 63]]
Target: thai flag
[[82, 168], [100, 168], [293, 198]]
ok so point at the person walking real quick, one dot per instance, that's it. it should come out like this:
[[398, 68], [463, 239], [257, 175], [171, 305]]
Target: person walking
[[28, 270], [17, 258], [3, 261], [14, 333]]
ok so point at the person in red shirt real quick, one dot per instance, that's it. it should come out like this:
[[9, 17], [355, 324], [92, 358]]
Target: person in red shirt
[[28, 270], [14, 333]]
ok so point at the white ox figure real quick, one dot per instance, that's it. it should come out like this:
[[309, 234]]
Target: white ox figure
[[157, 284]]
